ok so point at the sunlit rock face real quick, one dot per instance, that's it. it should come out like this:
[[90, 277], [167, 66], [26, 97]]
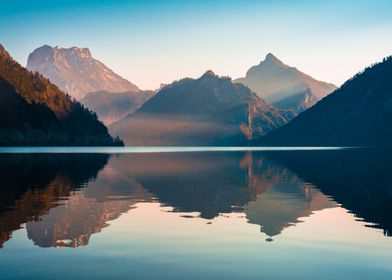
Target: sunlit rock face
[[211, 110], [284, 86], [75, 71]]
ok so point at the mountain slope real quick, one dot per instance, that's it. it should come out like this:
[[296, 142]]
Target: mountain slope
[[210, 110], [35, 112], [75, 71], [112, 106], [357, 114], [284, 86]]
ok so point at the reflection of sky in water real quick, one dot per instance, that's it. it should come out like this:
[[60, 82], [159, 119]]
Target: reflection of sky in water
[[195, 216]]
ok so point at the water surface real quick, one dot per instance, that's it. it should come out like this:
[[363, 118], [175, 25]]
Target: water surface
[[216, 214]]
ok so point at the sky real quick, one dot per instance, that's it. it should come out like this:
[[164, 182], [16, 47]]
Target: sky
[[154, 42]]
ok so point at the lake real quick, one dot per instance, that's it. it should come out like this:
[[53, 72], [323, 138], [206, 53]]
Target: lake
[[195, 213]]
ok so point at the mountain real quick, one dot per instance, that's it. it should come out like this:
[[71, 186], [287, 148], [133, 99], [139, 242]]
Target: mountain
[[357, 114], [35, 112], [210, 110], [112, 106], [75, 71], [284, 86]]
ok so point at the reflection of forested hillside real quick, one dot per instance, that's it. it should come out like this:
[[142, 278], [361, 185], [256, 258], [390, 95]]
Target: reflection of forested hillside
[[33, 184], [359, 179]]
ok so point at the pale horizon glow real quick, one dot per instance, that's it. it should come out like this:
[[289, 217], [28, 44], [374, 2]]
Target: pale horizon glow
[[154, 42]]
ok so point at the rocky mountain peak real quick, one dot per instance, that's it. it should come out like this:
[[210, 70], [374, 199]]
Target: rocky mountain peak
[[272, 59], [45, 50], [209, 73], [284, 86], [82, 52], [76, 72]]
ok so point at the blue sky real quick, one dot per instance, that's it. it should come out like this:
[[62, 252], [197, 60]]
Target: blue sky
[[153, 42]]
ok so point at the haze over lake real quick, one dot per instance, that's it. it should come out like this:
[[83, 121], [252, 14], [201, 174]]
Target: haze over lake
[[196, 214]]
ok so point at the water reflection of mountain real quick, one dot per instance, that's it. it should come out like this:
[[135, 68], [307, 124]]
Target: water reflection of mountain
[[73, 223], [33, 184], [283, 204], [280, 196], [359, 179], [213, 183], [86, 212], [55, 196]]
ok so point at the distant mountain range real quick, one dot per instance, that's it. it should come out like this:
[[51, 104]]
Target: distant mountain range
[[114, 106], [283, 86], [359, 113], [76, 72], [35, 112], [210, 110], [113, 98]]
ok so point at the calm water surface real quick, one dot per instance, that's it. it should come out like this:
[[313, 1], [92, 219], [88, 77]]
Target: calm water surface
[[115, 214]]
